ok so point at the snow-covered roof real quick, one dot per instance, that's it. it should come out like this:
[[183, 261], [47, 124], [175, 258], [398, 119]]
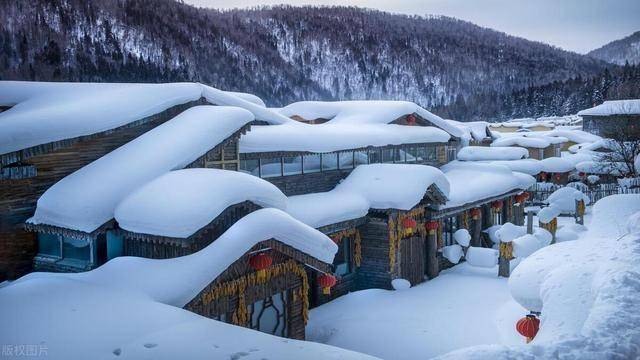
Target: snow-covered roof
[[471, 182], [556, 165], [374, 186], [330, 137], [478, 153], [364, 112], [576, 136], [148, 296], [528, 142], [615, 107], [44, 112], [473, 130], [87, 198], [527, 166], [181, 202], [603, 167]]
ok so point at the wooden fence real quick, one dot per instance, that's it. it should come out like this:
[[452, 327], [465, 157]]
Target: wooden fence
[[541, 191]]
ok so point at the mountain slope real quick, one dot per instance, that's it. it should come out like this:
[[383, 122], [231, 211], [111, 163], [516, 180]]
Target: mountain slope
[[282, 54], [620, 51]]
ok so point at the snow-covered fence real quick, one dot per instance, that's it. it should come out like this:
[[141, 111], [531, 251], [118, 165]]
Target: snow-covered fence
[[541, 191]]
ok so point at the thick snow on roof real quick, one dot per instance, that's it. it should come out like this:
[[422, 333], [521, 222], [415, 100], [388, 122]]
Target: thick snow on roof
[[330, 137], [556, 165], [476, 181], [615, 107], [365, 112], [476, 153], [473, 130], [587, 291], [181, 202], [44, 112], [528, 142], [374, 186], [576, 136], [527, 166], [86, 199], [603, 168], [132, 307]]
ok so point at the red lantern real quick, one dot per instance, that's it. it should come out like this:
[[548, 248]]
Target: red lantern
[[528, 327], [409, 225], [411, 119], [557, 177], [261, 262], [326, 282], [497, 205], [525, 195], [475, 213], [581, 174], [432, 226], [543, 176]]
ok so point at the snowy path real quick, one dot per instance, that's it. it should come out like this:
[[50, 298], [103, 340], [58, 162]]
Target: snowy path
[[462, 307]]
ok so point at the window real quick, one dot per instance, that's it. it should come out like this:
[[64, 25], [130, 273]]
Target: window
[[251, 166], [76, 249], [374, 156], [360, 158], [329, 161], [400, 155], [49, 245], [114, 244], [497, 217], [311, 163], [292, 165], [411, 153], [270, 315], [345, 160], [342, 260], [431, 154], [270, 167], [388, 155], [452, 153], [421, 154], [450, 225]]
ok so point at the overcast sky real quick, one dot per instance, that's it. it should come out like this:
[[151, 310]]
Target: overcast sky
[[577, 25]]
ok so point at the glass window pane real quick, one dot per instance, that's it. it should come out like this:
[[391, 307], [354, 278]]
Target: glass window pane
[[292, 165], [360, 157], [421, 154], [76, 249], [345, 160], [387, 155], [49, 244], [342, 260], [250, 166], [374, 156], [329, 161], [431, 153], [411, 153], [270, 167], [311, 163], [399, 155]]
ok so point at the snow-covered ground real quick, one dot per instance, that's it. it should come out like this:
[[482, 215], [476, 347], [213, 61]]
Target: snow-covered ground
[[464, 306]]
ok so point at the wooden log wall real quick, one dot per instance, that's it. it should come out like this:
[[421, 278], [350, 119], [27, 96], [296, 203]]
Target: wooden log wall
[[375, 271], [18, 196]]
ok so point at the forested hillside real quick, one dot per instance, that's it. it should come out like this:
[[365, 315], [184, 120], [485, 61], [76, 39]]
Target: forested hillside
[[626, 50]]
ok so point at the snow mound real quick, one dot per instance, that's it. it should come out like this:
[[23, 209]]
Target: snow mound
[[527, 142], [453, 253], [526, 245], [87, 198], [547, 214], [556, 165], [525, 166], [179, 203], [400, 284], [610, 214], [564, 199], [476, 153], [462, 237], [482, 257], [508, 231]]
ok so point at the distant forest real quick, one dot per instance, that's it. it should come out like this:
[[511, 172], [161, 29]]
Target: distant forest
[[285, 54]]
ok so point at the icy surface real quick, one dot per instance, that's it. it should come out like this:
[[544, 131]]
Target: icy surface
[[488, 181], [179, 203], [330, 137], [475, 153], [87, 198], [44, 112], [616, 107], [131, 307]]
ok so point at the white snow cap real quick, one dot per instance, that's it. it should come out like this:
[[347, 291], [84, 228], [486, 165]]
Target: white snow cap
[[525, 166], [325, 208], [453, 253], [473, 130], [482, 257], [528, 142], [462, 237], [45, 112], [87, 198], [564, 199], [509, 231], [365, 112], [179, 203], [556, 165], [475, 153], [545, 215], [330, 137], [476, 181], [615, 107]]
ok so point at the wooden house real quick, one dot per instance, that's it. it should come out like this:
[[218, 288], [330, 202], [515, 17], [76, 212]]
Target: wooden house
[[612, 119]]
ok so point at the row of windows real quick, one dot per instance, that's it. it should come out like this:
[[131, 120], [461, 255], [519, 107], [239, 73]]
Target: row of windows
[[279, 166], [80, 251]]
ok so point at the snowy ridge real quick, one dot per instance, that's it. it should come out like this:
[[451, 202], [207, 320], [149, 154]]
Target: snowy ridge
[[131, 307], [615, 107], [181, 202], [44, 112], [87, 198]]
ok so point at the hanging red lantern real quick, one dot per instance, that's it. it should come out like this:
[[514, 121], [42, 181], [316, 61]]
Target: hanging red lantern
[[581, 174], [557, 177], [496, 205], [432, 226], [261, 262], [326, 282], [528, 327], [543, 176], [409, 225], [525, 195], [475, 213], [411, 119]]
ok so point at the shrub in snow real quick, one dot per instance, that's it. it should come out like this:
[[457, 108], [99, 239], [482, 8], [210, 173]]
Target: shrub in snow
[[592, 179], [565, 199], [452, 253], [400, 284], [462, 237], [482, 257], [508, 232]]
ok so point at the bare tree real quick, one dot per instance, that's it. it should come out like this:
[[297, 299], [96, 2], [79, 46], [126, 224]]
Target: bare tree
[[623, 150]]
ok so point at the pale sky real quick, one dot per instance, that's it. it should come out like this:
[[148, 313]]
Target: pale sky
[[577, 25]]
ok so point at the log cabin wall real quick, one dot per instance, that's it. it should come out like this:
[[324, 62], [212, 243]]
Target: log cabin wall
[[375, 270], [18, 196], [610, 126]]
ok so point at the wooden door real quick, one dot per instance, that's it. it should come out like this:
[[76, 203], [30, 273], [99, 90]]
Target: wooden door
[[412, 259]]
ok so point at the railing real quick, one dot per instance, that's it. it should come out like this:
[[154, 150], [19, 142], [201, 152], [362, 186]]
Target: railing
[[541, 191]]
